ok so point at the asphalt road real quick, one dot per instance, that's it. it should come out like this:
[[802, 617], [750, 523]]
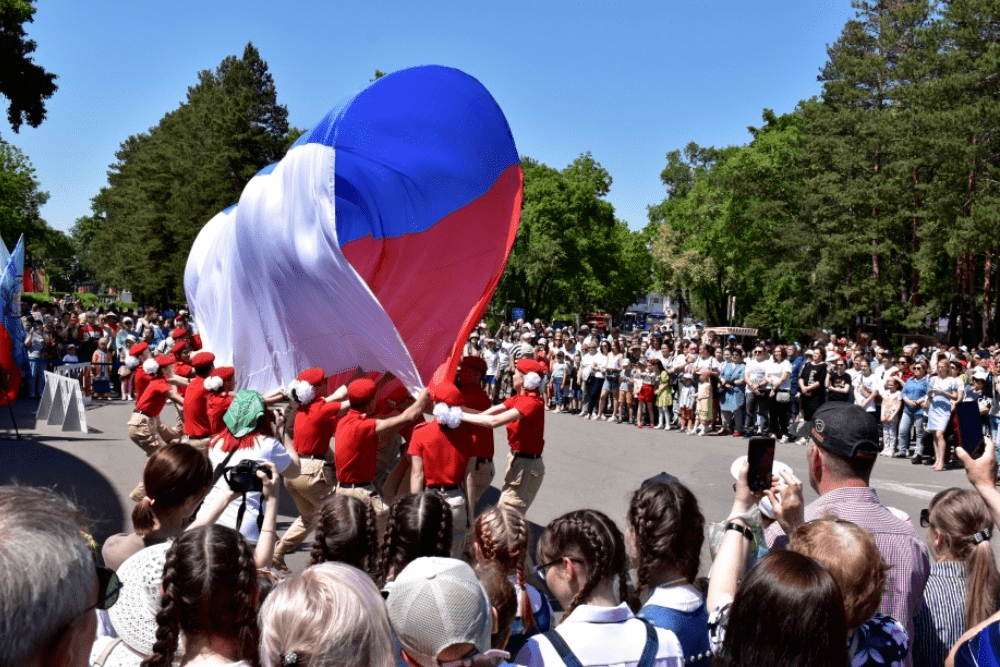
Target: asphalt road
[[588, 465]]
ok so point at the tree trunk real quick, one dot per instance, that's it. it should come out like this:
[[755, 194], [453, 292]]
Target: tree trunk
[[987, 293]]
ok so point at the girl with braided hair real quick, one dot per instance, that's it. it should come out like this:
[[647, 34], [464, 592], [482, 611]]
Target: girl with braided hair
[[501, 537], [418, 525], [346, 532], [664, 536], [209, 597], [582, 556]]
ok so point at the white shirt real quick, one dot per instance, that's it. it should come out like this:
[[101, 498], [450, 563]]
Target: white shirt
[[491, 358], [881, 375], [265, 449], [775, 370], [598, 360], [710, 364], [755, 373], [684, 598], [602, 636], [870, 383]]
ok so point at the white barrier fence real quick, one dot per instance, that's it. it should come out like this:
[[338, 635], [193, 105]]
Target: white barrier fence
[[62, 400]]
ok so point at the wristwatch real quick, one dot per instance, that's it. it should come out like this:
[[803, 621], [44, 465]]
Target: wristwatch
[[746, 531]]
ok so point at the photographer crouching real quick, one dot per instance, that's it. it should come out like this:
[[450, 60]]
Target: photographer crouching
[[235, 455]]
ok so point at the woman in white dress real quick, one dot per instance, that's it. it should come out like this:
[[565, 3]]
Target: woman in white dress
[[942, 392]]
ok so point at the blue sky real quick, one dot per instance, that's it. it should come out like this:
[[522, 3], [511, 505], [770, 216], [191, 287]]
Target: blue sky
[[627, 81]]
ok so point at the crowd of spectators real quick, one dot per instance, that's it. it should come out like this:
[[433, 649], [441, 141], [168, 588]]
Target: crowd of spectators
[[68, 333], [842, 581], [722, 385]]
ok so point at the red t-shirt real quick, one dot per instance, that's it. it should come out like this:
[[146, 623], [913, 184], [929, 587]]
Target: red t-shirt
[[154, 398], [527, 434], [482, 436], [315, 424], [356, 451], [196, 409], [445, 452], [217, 404], [141, 381]]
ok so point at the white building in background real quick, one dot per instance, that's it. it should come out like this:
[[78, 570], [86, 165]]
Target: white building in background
[[654, 302]]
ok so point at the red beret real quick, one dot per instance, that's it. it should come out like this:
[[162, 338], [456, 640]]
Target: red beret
[[525, 365], [202, 359], [165, 360], [225, 372], [138, 348], [447, 393], [179, 347], [474, 362], [361, 391], [313, 376], [179, 332], [398, 394]]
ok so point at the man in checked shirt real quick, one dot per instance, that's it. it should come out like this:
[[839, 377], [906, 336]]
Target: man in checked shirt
[[843, 449]]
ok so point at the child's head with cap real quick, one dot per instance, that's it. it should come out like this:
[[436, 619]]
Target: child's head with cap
[[440, 612]]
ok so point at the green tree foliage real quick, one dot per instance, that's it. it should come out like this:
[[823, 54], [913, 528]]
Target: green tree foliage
[[168, 182], [25, 85], [876, 203], [724, 231], [20, 204], [571, 256]]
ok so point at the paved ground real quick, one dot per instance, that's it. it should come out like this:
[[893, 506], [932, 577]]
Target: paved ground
[[588, 464]]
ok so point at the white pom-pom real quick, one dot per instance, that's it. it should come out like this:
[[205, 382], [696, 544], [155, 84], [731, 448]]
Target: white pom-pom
[[132, 362], [150, 366], [532, 380], [304, 392], [213, 383], [447, 416]]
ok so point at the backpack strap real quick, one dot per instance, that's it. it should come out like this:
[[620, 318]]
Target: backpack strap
[[102, 658], [221, 468], [647, 659], [562, 648], [652, 646]]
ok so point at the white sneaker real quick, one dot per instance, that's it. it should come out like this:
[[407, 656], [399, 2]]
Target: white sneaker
[[784, 440]]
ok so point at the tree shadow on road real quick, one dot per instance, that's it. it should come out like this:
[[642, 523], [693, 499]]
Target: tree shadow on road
[[30, 462]]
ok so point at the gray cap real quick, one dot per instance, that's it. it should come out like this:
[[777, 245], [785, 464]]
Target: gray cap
[[435, 603]]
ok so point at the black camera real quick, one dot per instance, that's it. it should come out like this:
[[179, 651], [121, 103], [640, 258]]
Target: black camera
[[242, 477]]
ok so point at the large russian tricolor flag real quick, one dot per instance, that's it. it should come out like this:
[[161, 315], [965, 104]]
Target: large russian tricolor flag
[[377, 241]]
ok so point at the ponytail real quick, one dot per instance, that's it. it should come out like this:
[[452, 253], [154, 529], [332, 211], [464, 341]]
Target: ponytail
[[964, 524], [143, 518], [981, 584]]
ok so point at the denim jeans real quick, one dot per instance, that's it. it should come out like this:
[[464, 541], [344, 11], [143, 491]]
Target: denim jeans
[[557, 386], [905, 422], [36, 384]]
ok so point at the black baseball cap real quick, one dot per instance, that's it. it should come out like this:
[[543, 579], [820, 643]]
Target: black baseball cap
[[843, 429]]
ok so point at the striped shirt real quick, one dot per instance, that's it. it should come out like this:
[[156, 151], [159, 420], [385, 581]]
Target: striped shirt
[[898, 541], [941, 621]]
